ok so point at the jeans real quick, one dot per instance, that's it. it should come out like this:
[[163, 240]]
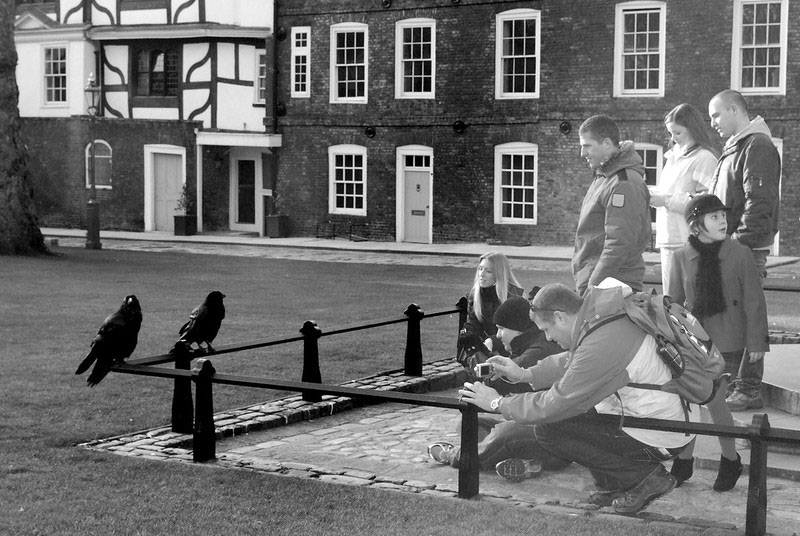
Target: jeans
[[617, 461], [749, 381], [507, 439]]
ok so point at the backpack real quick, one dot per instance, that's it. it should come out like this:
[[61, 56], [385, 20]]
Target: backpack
[[682, 343]]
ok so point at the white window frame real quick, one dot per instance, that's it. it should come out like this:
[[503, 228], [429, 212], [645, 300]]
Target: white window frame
[[347, 27], [619, 36], [515, 148], [736, 49], [659, 167], [500, 18], [776, 244], [302, 51], [86, 153], [45, 76], [260, 77], [344, 150], [399, 60]]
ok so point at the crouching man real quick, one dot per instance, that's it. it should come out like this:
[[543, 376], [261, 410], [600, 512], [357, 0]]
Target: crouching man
[[571, 388]]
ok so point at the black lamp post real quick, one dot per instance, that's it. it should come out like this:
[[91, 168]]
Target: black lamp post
[[92, 91]]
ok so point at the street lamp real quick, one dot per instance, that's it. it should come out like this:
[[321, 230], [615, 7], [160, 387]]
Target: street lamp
[[92, 91]]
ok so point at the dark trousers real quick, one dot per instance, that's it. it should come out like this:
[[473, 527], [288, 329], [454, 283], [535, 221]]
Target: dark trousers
[[617, 461], [749, 381]]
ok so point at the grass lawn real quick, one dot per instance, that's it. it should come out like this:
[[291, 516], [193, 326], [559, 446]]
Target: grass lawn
[[50, 309]]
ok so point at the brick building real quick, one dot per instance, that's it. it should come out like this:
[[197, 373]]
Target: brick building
[[446, 120], [424, 120]]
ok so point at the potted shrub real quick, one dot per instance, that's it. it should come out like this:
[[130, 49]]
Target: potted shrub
[[185, 217]]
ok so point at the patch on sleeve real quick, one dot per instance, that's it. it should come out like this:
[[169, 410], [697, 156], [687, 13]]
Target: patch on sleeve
[[618, 200]]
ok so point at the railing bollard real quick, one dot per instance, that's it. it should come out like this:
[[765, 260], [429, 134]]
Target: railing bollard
[[468, 466], [413, 358], [182, 407], [463, 308], [756, 521], [203, 439], [311, 374]]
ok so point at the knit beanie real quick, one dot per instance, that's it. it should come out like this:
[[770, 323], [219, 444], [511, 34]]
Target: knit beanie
[[514, 314]]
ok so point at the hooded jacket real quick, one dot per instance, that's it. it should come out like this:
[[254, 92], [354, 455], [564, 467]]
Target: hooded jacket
[[747, 180], [614, 224]]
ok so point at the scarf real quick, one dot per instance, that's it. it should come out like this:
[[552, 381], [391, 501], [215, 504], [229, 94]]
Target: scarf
[[709, 299]]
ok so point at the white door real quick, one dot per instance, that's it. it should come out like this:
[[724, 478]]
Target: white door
[[417, 213], [168, 184]]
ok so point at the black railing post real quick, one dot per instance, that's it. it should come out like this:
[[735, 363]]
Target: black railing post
[[182, 408], [463, 308], [203, 440], [413, 359], [311, 374], [756, 522], [468, 467]]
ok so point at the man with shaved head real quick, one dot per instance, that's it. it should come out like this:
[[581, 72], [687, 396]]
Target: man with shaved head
[[747, 180]]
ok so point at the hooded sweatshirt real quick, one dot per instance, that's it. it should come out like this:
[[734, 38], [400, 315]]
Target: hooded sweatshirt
[[747, 179], [614, 223]]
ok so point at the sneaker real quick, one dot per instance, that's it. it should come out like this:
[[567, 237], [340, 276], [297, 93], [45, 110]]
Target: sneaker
[[441, 452], [740, 401], [658, 483], [517, 470]]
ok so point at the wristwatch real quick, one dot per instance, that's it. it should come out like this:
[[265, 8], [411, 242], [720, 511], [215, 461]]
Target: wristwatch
[[494, 405]]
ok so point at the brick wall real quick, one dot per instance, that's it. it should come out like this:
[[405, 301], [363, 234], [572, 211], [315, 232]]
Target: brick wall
[[577, 72], [56, 155]]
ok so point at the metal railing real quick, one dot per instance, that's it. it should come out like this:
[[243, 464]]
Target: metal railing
[[198, 419]]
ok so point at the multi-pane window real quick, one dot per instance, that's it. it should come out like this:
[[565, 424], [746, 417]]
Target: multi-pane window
[[759, 46], [102, 164], [301, 56], [517, 54], [516, 176], [157, 72], [652, 158], [261, 77], [640, 49], [415, 58], [55, 75], [349, 63], [347, 166]]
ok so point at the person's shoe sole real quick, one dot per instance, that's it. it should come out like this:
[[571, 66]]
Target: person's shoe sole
[[435, 451], [517, 470], [667, 486]]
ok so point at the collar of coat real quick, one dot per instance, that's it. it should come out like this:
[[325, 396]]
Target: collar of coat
[[626, 157], [724, 250]]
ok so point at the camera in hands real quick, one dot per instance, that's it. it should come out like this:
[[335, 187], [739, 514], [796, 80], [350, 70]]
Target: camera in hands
[[483, 370]]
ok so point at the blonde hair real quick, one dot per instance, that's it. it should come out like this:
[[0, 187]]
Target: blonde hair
[[501, 269]]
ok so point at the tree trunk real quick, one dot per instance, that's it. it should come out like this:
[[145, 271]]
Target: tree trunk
[[19, 229]]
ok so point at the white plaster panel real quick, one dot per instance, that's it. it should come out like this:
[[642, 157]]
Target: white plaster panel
[[65, 6], [28, 78], [116, 56], [189, 14], [118, 100], [235, 109], [195, 99], [155, 113], [247, 63], [143, 16], [101, 17], [240, 12], [192, 54], [225, 62]]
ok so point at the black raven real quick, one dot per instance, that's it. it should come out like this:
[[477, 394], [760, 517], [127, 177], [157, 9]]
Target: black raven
[[203, 324], [115, 341]]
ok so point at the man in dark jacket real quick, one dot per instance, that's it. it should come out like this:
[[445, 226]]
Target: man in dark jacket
[[747, 180], [614, 224], [527, 346]]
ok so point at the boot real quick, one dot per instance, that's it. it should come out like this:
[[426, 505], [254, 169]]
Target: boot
[[729, 472], [682, 470]]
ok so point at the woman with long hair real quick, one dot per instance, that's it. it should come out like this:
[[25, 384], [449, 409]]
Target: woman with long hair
[[688, 170], [494, 283]]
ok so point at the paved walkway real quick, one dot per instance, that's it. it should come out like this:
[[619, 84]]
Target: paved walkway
[[384, 446]]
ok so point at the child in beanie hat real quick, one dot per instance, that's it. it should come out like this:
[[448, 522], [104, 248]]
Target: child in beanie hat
[[717, 280], [514, 313]]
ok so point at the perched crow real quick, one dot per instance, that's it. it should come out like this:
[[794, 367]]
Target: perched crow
[[115, 341], [203, 324]]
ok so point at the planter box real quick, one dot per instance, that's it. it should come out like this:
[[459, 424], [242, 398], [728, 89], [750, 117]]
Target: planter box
[[185, 225]]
